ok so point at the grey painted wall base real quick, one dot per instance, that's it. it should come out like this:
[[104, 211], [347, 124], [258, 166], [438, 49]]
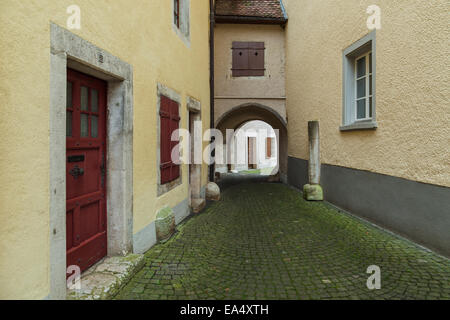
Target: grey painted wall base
[[297, 172], [146, 238], [203, 192], [181, 211], [417, 211]]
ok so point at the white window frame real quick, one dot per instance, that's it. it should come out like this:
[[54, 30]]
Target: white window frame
[[367, 96], [361, 48], [183, 30]]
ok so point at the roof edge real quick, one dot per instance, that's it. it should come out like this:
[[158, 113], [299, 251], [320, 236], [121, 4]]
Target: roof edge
[[250, 20], [284, 10]]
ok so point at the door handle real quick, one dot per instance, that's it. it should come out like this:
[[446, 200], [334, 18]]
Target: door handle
[[76, 172]]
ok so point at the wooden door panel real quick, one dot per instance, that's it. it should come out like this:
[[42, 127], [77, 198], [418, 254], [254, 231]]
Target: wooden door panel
[[69, 229], [88, 182], [88, 253], [86, 170]]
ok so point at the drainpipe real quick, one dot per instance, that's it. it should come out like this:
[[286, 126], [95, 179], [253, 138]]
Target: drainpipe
[[211, 79]]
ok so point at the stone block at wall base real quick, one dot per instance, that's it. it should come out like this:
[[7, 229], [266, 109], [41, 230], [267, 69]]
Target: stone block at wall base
[[313, 192], [165, 224], [105, 279], [198, 205], [212, 192]]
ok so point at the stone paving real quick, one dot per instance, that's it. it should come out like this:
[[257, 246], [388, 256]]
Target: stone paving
[[263, 241]]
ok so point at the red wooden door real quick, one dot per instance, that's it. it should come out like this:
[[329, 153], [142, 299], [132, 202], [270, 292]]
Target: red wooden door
[[85, 170]]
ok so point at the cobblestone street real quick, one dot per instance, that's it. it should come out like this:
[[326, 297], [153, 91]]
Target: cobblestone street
[[263, 241]]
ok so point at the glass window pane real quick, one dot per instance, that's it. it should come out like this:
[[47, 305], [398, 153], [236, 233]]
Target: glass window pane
[[69, 95], [69, 124], [361, 88], [370, 107], [94, 127], [361, 109], [84, 125], [370, 63], [84, 98], [361, 67], [370, 85], [94, 100]]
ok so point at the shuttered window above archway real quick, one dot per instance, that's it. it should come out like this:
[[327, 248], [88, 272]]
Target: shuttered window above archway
[[248, 59]]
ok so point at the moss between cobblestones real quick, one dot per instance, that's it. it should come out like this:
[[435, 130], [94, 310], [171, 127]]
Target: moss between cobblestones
[[263, 241]]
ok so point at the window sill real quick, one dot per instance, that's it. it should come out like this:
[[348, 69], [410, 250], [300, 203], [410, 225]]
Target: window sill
[[184, 36], [366, 125], [169, 186]]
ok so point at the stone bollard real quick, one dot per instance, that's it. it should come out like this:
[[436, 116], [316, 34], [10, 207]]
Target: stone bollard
[[165, 224], [197, 205], [212, 192], [313, 191]]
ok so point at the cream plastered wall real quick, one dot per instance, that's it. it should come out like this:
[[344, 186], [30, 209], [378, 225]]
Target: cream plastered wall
[[231, 91], [138, 32], [412, 85]]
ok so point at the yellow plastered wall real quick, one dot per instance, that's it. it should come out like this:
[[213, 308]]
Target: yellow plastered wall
[[138, 32], [412, 83]]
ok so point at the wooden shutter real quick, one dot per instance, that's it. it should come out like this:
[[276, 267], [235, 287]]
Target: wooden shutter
[[256, 59], [169, 122], [240, 59], [269, 148], [248, 59], [175, 122]]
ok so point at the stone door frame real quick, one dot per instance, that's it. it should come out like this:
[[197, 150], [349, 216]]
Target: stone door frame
[[68, 50], [195, 170]]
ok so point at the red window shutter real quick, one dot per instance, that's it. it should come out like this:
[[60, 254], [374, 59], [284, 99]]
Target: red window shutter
[[165, 161], [169, 122], [175, 122], [176, 13]]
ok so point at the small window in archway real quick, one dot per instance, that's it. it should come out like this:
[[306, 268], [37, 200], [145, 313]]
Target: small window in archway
[[248, 59]]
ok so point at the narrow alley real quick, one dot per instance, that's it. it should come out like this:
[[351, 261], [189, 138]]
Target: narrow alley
[[224, 150], [263, 241]]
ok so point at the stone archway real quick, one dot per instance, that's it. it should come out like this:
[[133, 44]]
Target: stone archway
[[239, 115]]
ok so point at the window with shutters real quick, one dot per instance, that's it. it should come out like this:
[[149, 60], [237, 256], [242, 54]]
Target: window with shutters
[[181, 20], [248, 59], [169, 122], [168, 152]]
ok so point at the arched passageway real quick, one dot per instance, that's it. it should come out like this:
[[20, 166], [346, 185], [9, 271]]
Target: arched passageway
[[240, 115]]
